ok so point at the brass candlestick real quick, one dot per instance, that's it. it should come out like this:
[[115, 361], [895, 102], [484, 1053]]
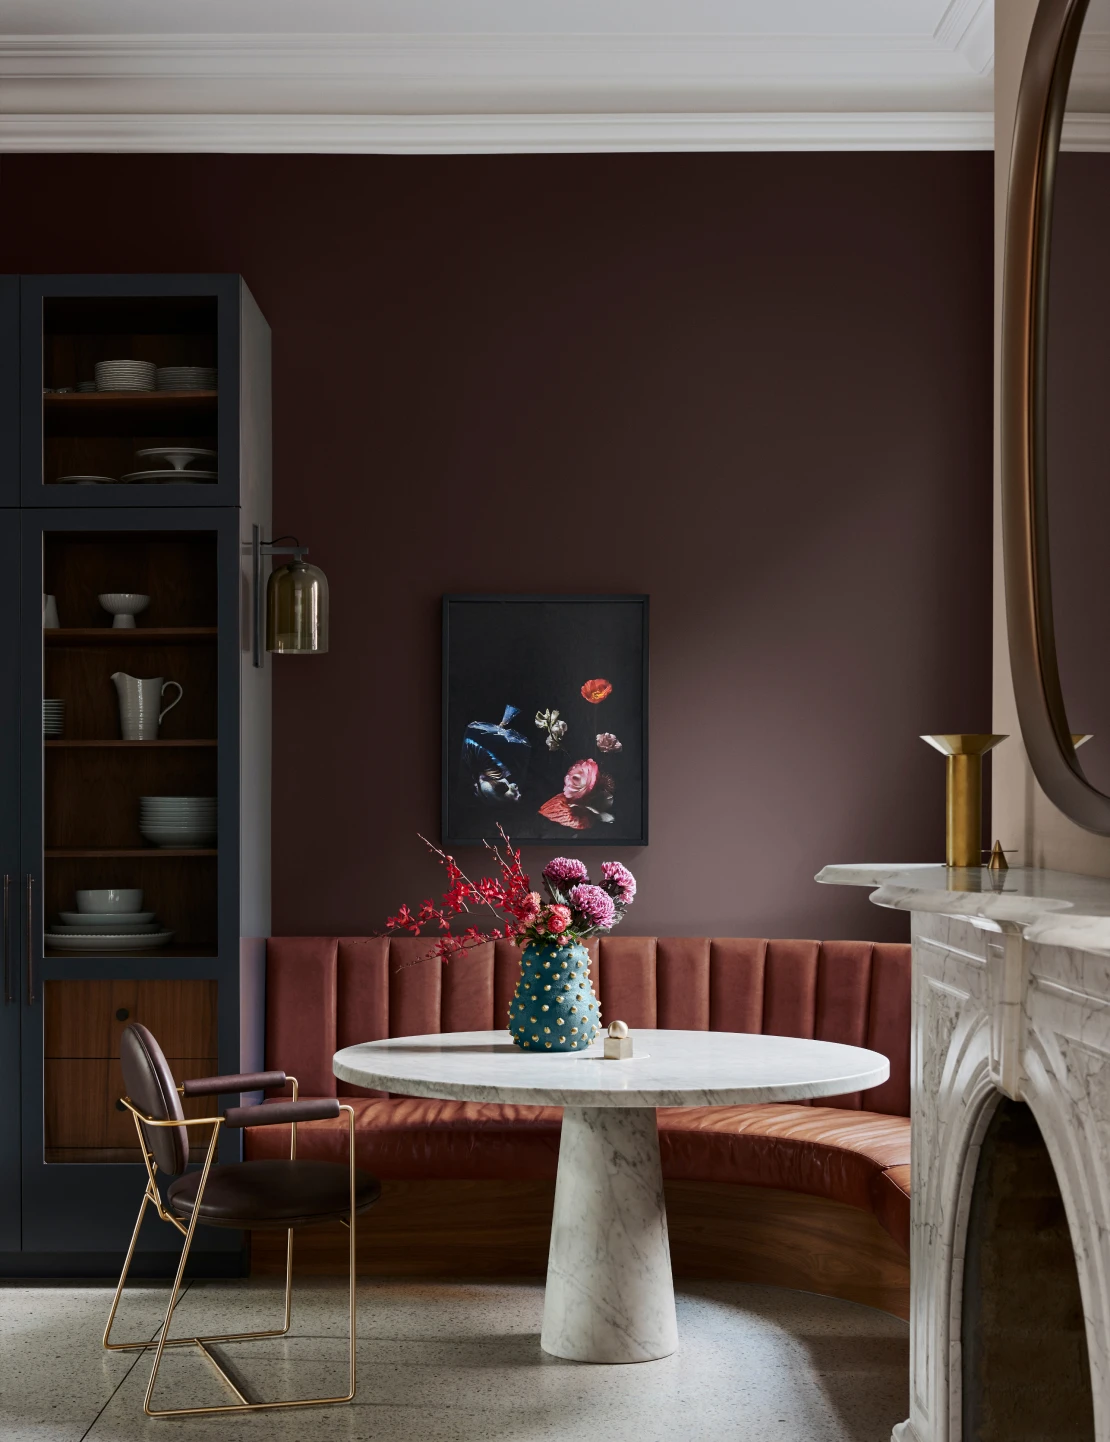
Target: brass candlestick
[[963, 831]]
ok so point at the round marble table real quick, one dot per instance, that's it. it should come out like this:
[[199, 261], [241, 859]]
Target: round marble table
[[609, 1294]]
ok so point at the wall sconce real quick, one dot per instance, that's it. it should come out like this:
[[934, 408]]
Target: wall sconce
[[296, 604]]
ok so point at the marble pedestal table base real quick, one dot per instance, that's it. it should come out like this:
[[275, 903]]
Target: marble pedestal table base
[[609, 1292], [610, 1297]]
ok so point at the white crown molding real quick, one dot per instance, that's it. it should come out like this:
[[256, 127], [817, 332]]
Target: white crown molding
[[1086, 132], [497, 134], [437, 91]]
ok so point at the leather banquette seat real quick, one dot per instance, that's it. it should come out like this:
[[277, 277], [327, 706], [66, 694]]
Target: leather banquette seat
[[329, 992]]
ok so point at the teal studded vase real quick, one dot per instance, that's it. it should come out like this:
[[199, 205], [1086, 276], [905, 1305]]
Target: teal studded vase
[[554, 1007]]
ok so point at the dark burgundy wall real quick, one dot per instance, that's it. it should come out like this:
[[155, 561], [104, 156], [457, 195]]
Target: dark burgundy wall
[[757, 387]]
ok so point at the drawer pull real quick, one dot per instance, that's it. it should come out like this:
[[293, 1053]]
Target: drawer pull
[[122, 1014]]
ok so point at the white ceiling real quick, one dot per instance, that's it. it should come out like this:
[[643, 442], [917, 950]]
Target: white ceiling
[[449, 75]]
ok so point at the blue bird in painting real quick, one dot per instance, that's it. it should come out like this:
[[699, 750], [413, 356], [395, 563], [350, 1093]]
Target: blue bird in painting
[[496, 758]]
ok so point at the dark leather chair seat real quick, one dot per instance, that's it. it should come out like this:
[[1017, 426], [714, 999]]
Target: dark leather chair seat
[[253, 1195]]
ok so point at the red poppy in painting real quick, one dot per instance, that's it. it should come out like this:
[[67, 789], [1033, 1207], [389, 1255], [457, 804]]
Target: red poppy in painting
[[597, 690]]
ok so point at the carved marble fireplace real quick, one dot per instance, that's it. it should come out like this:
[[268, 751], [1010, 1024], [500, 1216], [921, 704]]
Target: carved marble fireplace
[[1010, 1174]]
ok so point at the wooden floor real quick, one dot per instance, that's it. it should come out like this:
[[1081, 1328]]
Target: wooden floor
[[501, 1229]]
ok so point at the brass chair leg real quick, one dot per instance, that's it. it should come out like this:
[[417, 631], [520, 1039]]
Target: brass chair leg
[[164, 1341]]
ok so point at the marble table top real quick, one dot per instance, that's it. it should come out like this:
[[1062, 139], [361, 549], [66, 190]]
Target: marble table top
[[1051, 908], [667, 1069]]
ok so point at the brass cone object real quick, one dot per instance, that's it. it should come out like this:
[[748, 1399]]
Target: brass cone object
[[963, 831]]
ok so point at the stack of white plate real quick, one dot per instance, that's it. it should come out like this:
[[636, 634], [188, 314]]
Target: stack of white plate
[[187, 821], [85, 386], [186, 378], [53, 718], [108, 919], [125, 375], [175, 457]]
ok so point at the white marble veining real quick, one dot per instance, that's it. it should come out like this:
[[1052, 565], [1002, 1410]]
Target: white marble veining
[[1000, 1008], [609, 1297], [1051, 908], [674, 1069]]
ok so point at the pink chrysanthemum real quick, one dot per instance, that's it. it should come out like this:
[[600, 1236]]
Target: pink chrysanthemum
[[562, 870], [594, 905], [620, 880]]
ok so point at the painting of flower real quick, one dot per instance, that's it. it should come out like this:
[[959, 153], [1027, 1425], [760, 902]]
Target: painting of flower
[[526, 679]]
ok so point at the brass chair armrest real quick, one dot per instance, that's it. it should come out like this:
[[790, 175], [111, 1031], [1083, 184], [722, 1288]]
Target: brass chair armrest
[[251, 1081], [276, 1113]]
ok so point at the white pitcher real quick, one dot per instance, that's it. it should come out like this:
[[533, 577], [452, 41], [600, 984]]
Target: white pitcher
[[139, 700]]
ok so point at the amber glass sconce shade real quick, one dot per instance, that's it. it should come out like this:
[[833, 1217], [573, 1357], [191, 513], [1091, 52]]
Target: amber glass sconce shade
[[293, 609], [297, 609]]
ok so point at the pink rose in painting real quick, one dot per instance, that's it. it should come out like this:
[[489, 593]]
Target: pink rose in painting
[[606, 741], [580, 780]]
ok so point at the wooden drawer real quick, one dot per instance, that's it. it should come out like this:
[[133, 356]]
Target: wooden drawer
[[87, 1018], [80, 1104]]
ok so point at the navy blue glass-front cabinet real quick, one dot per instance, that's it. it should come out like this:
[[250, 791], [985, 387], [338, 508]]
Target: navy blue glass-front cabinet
[[174, 530], [11, 892]]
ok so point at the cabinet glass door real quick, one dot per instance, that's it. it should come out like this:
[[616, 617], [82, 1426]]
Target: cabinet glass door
[[11, 885], [122, 831], [130, 388]]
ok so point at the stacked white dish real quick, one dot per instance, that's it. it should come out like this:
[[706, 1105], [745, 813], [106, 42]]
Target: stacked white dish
[[125, 375], [186, 378], [53, 718], [84, 387], [108, 919], [177, 457], [179, 821]]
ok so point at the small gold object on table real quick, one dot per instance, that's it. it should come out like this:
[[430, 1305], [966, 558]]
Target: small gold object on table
[[618, 1044], [998, 860], [963, 831]]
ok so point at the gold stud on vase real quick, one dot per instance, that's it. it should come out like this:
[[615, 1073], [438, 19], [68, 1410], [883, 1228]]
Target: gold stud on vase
[[963, 831]]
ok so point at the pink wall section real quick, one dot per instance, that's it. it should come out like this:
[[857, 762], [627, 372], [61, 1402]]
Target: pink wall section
[[756, 387]]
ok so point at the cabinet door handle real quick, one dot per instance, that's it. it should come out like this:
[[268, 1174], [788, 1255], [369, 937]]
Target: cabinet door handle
[[8, 998], [30, 940]]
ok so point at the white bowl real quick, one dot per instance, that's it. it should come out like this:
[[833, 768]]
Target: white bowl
[[111, 899], [123, 606], [111, 919]]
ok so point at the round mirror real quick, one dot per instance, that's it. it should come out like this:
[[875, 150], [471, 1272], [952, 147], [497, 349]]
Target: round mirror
[[1077, 392], [1056, 407]]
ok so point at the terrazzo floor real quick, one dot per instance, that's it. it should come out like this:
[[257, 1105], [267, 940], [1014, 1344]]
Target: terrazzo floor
[[452, 1362]]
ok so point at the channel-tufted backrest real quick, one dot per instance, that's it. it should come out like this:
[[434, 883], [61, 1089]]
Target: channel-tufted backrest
[[326, 992]]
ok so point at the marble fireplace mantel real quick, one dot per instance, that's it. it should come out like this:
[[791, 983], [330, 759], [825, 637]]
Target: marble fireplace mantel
[[1011, 997], [1050, 908]]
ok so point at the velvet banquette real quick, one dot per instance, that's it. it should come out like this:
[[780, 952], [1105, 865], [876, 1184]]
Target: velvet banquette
[[813, 1196]]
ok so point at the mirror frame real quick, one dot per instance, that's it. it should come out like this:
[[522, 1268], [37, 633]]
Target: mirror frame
[[1042, 99]]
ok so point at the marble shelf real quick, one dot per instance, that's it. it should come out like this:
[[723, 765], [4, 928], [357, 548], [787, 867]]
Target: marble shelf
[[1047, 908]]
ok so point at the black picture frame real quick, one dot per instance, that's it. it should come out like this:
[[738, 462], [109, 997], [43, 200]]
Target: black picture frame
[[534, 646]]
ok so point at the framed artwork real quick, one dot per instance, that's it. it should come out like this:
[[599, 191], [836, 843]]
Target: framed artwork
[[545, 719]]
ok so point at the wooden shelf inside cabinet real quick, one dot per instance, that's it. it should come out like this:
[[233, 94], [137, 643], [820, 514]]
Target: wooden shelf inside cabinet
[[129, 853], [99, 401], [198, 949], [143, 745], [127, 635]]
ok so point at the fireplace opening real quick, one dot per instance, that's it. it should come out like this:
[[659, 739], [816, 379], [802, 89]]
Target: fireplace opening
[[1026, 1375]]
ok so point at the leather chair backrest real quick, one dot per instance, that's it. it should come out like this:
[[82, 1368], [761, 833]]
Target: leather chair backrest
[[325, 992], [151, 1088]]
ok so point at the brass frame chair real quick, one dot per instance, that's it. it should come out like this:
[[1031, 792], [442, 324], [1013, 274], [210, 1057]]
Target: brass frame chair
[[147, 1073]]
